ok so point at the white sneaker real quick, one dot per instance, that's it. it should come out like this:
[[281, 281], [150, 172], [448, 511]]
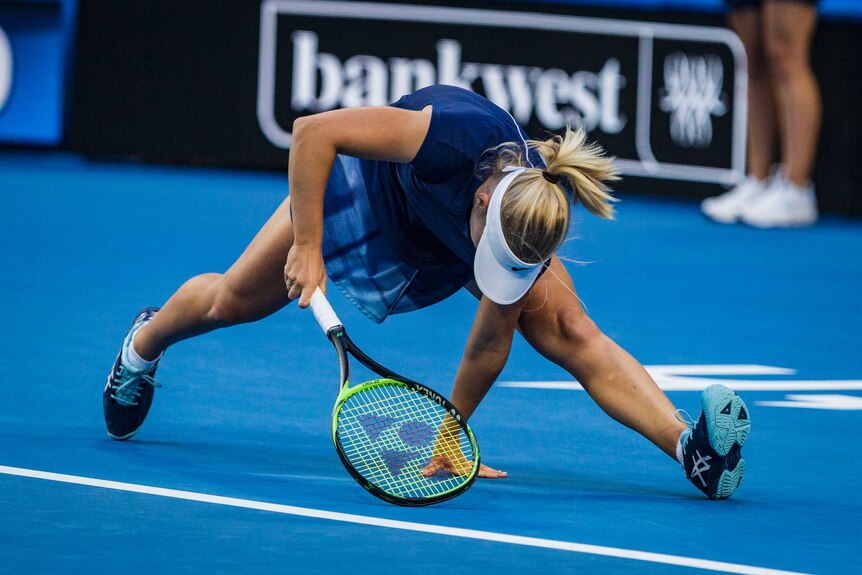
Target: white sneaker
[[727, 208], [783, 205]]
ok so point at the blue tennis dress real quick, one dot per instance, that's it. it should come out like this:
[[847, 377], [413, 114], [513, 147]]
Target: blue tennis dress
[[396, 236]]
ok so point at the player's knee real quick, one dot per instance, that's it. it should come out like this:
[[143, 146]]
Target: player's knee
[[576, 327], [228, 308]]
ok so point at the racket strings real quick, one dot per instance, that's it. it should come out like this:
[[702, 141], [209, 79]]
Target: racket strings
[[391, 434], [399, 474]]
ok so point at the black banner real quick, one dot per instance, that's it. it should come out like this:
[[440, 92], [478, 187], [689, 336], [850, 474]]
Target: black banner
[[660, 97], [220, 83]]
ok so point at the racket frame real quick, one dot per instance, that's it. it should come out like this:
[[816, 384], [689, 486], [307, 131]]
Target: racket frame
[[337, 334]]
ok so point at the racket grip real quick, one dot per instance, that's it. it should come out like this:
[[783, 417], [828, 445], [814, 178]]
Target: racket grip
[[323, 312]]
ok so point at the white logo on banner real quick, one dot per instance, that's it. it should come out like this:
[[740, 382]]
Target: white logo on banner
[[692, 95], [322, 81], [5, 68], [615, 94]]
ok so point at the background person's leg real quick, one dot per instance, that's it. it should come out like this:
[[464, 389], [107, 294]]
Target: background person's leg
[[747, 22], [788, 29]]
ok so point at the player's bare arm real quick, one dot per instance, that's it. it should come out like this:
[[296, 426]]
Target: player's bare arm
[[384, 134], [485, 355]]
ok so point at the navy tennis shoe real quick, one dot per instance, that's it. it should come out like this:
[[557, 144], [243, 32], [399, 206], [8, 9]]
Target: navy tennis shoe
[[128, 393], [712, 448]]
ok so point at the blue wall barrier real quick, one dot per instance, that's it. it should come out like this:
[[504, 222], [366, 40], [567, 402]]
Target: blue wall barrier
[[35, 47]]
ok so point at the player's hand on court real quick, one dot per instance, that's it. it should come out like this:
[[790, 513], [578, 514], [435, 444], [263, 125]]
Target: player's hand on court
[[303, 273], [490, 472], [448, 458], [443, 464]]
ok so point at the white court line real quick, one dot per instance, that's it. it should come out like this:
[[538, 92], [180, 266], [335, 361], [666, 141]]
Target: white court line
[[692, 378], [700, 384], [402, 525], [719, 369]]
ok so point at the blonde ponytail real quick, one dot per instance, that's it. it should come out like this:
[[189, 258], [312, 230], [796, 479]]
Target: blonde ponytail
[[584, 166], [535, 210]]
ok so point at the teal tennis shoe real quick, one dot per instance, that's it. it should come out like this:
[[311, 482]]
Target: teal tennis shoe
[[128, 393], [712, 446]]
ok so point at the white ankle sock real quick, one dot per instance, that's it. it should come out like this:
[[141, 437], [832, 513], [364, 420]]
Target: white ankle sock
[[679, 449], [134, 361]]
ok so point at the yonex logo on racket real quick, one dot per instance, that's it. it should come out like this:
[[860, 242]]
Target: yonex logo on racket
[[431, 394]]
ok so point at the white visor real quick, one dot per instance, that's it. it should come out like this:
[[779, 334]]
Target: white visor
[[501, 276]]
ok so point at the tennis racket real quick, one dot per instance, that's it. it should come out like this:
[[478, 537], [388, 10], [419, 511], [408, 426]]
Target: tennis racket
[[401, 440]]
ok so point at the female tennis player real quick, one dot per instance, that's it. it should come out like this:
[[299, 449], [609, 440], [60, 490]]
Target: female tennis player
[[402, 206]]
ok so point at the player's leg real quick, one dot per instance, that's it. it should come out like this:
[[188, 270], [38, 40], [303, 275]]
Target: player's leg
[[555, 324], [251, 289], [789, 28]]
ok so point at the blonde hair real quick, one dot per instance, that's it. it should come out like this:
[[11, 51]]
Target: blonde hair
[[535, 212]]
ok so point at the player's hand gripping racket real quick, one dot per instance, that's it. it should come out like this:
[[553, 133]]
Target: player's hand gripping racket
[[401, 440]]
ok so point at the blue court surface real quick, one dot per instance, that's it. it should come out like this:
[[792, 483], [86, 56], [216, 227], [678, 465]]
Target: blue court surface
[[234, 471]]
